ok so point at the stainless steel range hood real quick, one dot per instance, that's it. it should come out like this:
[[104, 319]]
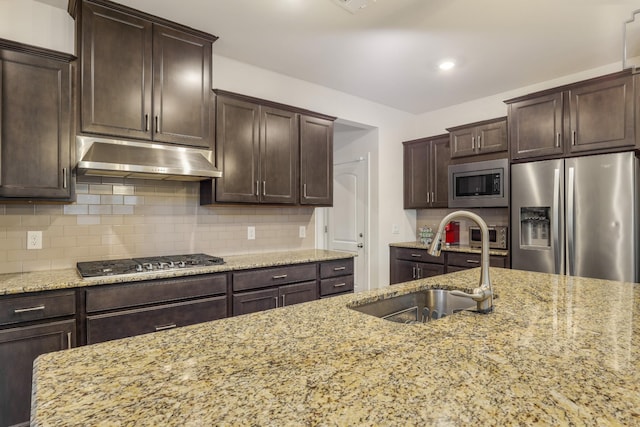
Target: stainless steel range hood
[[108, 157]]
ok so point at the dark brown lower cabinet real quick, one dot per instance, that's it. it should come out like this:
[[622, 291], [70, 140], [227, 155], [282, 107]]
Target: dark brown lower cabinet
[[19, 347], [266, 299], [127, 323], [406, 271]]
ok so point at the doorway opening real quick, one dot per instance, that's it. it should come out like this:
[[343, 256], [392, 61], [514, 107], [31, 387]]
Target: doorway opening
[[347, 225]]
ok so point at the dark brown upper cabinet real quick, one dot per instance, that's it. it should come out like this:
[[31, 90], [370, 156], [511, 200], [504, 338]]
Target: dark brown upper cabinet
[[143, 77], [257, 150], [270, 153], [35, 123], [316, 161], [489, 136], [594, 116], [426, 176]]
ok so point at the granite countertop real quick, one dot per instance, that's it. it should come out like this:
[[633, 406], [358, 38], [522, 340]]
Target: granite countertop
[[452, 248], [556, 351], [17, 283]]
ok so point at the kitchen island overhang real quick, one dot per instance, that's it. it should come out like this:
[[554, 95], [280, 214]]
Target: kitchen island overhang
[[556, 350]]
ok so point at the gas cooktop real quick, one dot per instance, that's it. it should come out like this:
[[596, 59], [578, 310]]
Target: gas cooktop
[[145, 265]]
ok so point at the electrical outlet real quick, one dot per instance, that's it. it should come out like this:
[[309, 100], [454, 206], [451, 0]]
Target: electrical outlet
[[34, 239], [395, 229], [302, 232], [251, 233]]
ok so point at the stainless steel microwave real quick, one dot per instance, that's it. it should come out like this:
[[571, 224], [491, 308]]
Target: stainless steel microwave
[[479, 185]]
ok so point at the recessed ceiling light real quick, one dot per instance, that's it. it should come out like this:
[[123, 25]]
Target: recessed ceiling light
[[446, 65]]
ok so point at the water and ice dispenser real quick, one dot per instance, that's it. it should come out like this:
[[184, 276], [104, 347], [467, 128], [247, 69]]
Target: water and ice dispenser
[[535, 227]]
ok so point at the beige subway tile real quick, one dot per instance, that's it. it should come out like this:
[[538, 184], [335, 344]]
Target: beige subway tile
[[64, 220], [134, 219], [82, 188], [134, 200], [10, 221], [88, 219], [76, 252], [100, 210], [76, 230], [100, 189], [133, 239], [47, 253], [90, 241], [124, 190], [20, 209], [3, 256], [122, 210], [49, 209], [111, 239], [63, 242], [38, 265], [144, 191], [88, 199], [112, 220], [61, 264], [22, 255], [39, 221], [76, 209], [10, 267], [88, 179], [111, 200], [146, 229]]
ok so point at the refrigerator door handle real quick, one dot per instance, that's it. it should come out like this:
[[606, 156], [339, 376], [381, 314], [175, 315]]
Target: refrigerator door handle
[[557, 252], [571, 222]]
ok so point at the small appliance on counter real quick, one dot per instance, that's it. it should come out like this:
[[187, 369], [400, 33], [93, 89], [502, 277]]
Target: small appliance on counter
[[452, 233], [498, 237]]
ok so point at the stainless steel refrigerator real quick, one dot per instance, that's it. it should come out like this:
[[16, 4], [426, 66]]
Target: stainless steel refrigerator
[[577, 216]]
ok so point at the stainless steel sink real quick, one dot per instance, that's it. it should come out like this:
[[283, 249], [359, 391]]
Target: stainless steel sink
[[417, 307]]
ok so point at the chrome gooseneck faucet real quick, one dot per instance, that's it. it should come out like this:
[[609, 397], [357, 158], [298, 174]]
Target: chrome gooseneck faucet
[[483, 295]]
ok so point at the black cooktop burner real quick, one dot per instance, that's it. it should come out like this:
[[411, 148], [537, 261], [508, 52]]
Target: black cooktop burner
[[145, 265]]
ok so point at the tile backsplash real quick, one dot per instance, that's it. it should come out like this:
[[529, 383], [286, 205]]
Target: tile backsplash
[[432, 217], [122, 218]]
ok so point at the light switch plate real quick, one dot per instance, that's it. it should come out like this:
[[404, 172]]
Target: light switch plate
[[395, 229], [302, 232], [251, 233]]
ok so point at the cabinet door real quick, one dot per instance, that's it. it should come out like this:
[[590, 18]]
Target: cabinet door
[[535, 127], [19, 347], [181, 88], [402, 271], [439, 165], [116, 70], [35, 98], [425, 270], [463, 142], [128, 323], [297, 293], [602, 115], [417, 190], [237, 150], [251, 302], [278, 156], [492, 137], [316, 161]]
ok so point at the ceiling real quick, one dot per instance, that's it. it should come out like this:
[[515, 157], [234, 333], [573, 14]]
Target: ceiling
[[388, 52]]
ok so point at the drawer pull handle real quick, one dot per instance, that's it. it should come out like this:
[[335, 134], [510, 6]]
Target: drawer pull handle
[[339, 285], [68, 339], [416, 255], [165, 327], [282, 276], [339, 268], [473, 261], [26, 310]]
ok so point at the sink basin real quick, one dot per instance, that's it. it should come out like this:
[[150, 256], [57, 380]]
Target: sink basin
[[418, 307]]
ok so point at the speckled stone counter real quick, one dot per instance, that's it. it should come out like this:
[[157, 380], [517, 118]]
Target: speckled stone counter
[[555, 351], [455, 248], [16, 283]]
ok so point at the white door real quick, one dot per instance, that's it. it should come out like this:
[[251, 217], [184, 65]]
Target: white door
[[347, 219]]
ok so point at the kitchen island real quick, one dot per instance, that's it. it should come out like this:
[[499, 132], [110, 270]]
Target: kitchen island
[[556, 350]]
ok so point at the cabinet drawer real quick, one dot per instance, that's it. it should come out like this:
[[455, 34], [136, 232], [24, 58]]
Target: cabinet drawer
[[340, 267], [111, 326], [336, 285], [37, 307], [154, 292], [473, 260], [419, 255], [266, 277]]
